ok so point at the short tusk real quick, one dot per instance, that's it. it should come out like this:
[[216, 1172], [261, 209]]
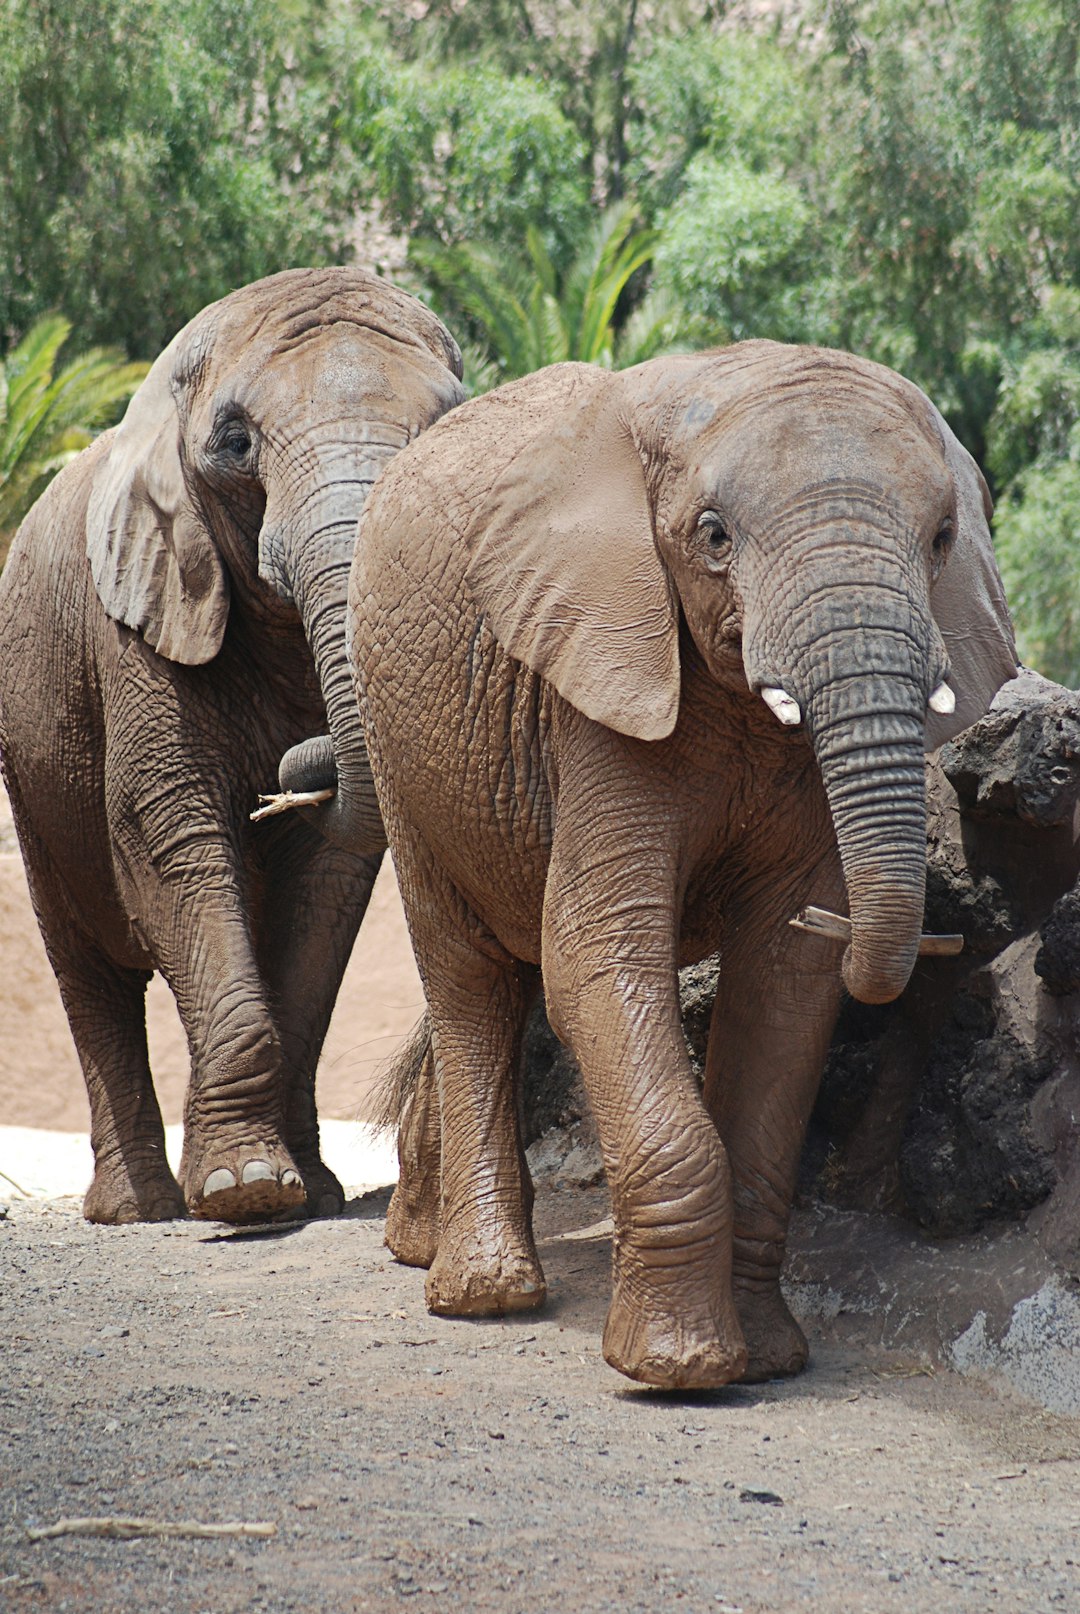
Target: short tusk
[[942, 700], [285, 799], [781, 705], [820, 922]]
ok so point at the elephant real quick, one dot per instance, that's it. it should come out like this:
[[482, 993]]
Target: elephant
[[171, 621], [647, 662]]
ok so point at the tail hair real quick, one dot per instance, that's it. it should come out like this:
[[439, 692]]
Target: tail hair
[[399, 1078]]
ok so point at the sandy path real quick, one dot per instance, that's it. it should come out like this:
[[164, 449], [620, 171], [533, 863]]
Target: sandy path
[[181, 1372]]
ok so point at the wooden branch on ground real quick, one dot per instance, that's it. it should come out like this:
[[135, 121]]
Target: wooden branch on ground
[[120, 1528]]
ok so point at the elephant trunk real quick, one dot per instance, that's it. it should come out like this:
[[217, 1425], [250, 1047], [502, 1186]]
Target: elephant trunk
[[860, 661], [316, 547], [874, 774]]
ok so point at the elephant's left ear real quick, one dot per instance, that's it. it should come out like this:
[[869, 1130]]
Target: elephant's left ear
[[968, 601], [155, 565]]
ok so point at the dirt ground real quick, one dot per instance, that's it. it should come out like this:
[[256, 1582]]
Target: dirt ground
[[292, 1378]]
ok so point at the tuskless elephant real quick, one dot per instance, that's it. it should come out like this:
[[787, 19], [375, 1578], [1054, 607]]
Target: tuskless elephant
[[171, 621], [645, 662]]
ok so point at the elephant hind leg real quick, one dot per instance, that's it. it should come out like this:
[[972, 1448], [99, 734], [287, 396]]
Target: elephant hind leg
[[132, 1180], [106, 1011], [486, 1262], [415, 1212]]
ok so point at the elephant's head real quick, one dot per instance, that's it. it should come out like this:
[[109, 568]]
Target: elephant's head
[[236, 478], [824, 538]]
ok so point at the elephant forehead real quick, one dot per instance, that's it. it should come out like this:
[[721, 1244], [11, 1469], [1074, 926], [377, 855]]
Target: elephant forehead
[[320, 373], [780, 455]]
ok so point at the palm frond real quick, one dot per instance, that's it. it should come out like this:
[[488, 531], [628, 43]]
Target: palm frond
[[46, 418]]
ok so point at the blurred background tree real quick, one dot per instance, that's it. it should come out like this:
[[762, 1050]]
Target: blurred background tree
[[602, 179], [49, 416]]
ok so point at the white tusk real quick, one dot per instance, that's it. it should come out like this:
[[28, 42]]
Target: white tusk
[[781, 705], [942, 700]]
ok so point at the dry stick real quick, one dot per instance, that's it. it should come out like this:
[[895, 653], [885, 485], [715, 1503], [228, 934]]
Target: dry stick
[[14, 1184], [820, 922], [123, 1529], [285, 799]]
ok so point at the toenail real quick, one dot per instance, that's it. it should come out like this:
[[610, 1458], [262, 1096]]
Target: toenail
[[257, 1171], [218, 1180], [289, 1176]]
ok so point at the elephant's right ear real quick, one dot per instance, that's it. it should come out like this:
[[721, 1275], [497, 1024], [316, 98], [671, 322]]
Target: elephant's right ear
[[563, 559], [155, 565]]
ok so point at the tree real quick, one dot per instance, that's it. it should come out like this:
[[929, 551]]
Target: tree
[[584, 52], [525, 315], [735, 249], [461, 155], [155, 154], [47, 417]]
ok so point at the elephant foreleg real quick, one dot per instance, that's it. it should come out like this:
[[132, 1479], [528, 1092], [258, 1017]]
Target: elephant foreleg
[[316, 897], [776, 1005], [236, 1165], [612, 994]]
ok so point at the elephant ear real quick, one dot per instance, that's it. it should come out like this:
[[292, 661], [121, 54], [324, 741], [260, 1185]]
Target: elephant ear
[[563, 560], [968, 601], [154, 563]]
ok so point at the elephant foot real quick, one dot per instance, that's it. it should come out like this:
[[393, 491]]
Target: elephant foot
[[776, 1344], [655, 1346], [325, 1195], [251, 1183], [484, 1278], [412, 1227], [123, 1193]]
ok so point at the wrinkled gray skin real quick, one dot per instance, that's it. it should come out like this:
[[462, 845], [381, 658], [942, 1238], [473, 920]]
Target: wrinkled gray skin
[[172, 622], [593, 784]]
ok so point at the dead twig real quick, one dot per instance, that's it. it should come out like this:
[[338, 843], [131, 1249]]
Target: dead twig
[[820, 922], [17, 1186], [284, 799], [124, 1529]]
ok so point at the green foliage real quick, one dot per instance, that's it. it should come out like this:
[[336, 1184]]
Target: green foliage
[[463, 154], [733, 95], [583, 51], [154, 156], [892, 177], [735, 249], [524, 315], [1037, 533], [47, 417]]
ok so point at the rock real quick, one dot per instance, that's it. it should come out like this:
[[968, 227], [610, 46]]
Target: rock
[[954, 1105]]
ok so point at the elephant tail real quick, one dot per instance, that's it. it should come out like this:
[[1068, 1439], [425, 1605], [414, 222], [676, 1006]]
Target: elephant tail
[[400, 1077]]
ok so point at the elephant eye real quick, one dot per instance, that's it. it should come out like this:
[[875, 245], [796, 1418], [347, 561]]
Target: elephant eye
[[711, 525], [231, 441], [939, 549], [236, 443]]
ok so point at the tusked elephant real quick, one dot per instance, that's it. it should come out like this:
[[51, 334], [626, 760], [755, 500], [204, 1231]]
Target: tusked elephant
[[171, 621], [645, 662]]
